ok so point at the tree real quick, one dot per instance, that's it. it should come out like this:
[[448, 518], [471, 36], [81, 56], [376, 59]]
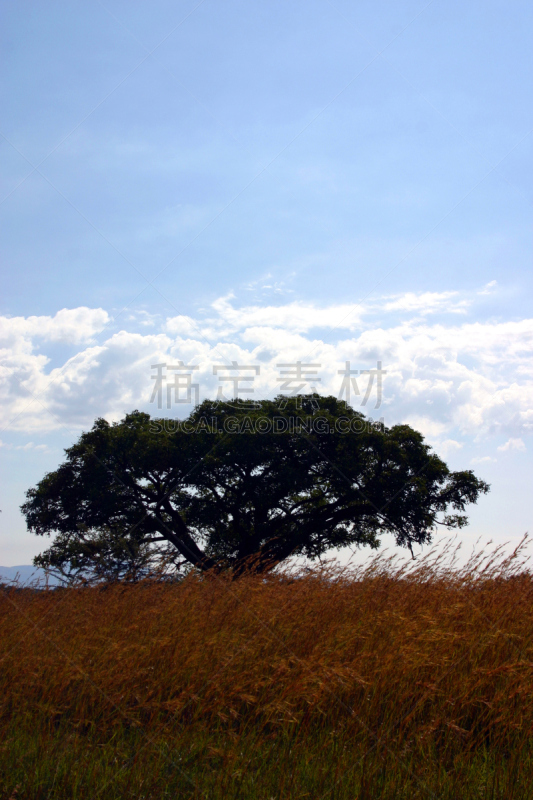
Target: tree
[[107, 555], [244, 487]]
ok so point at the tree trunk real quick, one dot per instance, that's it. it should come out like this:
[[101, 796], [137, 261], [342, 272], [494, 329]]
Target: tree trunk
[[183, 541]]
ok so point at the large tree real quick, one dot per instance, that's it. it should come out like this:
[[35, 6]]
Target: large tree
[[243, 487]]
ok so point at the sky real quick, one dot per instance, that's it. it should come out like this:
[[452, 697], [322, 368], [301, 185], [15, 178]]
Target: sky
[[204, 183]]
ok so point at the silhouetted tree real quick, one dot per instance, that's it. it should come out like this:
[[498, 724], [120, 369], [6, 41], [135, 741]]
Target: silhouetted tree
[[239, 487]]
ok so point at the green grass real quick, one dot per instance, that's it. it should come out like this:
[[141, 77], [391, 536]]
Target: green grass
[[221, 763]]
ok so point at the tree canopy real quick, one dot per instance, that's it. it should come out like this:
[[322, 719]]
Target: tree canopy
[[239, 487]]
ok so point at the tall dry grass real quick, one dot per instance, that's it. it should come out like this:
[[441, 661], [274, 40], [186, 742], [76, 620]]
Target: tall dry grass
[[387, 681]]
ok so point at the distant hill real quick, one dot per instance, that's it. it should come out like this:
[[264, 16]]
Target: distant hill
[[25, 573]]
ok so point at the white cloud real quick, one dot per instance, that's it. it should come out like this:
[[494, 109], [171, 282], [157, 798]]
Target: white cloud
[[143, 318], [512, 444], [489, 288], [302, 317], [482, 460], [294, 316], [27, 446], [467, 379], [184, 326], [431, 428], [449, 446], [68, 326], [428, 303]]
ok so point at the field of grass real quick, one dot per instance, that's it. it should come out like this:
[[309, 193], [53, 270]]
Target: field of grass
[[385, 682]]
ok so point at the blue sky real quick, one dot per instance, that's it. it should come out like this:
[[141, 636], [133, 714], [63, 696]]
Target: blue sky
[[308, 181]]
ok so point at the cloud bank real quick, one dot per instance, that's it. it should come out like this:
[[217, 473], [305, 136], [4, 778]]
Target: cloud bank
[[450, 377]]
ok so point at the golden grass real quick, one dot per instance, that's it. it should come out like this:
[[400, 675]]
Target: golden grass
[[381, 682]]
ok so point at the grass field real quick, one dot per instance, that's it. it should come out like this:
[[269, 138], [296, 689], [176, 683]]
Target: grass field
[[386, 682]]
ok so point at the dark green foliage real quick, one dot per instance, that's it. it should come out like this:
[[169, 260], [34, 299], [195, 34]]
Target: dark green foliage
[[106, 554], [222, 494]]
